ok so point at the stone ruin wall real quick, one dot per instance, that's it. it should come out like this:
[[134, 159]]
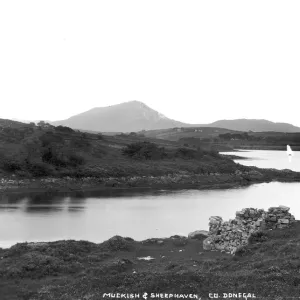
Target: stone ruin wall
[[228, 236]]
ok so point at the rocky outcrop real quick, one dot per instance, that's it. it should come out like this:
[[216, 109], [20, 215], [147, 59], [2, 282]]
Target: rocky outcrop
[[198, 234], [230, 235]]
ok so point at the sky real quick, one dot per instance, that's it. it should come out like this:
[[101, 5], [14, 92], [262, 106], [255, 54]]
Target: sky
[[193, 61]]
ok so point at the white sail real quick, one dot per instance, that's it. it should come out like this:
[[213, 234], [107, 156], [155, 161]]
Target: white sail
[[289, 150]]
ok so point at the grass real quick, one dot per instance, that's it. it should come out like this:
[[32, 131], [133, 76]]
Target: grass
[[60, 151], [268, 267]]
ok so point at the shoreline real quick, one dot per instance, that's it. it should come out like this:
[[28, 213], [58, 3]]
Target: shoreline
[[145, 183]]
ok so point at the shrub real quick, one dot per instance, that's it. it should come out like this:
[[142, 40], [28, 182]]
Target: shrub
[[12, 165], [48, 139], [196, 154], [258, 236], [75, 159], [144, 150], [242, 251], [62, 158], [51, 157], [186, 153], [64, 129], [23, 174], [38, 169]]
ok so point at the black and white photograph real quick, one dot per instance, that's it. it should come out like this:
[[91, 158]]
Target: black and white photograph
[[149, 149]]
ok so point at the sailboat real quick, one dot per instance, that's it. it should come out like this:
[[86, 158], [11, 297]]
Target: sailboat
[[289, 151]]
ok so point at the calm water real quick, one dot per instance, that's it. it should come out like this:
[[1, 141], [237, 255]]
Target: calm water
[[269, 159], [97, 217]]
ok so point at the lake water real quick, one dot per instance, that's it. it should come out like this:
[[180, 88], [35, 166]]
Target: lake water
[[97, 216], [269, 159]]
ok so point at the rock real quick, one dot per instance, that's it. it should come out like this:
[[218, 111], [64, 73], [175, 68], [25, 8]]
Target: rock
[[272, 219], [258, 223], [284, 221], [284, 208], [220, 247], [207, 244], [176, 236], [215, 220], [229, 235], [117, 243], [198, 234], [145, 258], [281, 226]]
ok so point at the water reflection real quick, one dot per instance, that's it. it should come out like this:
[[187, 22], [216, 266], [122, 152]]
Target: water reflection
[[76, 208], [43, 202]]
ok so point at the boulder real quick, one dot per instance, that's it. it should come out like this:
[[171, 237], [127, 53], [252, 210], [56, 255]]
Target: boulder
[[284, 221], [215, 220], [207, 244], [117, 243], [284, 208], [198, 234]]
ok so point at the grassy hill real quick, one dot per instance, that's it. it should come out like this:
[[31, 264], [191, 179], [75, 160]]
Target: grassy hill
[[35, 151], [226, 140], [174, 134], [256, 125]]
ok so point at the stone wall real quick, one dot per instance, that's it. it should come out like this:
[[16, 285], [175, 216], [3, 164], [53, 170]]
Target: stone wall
[[229, 235]]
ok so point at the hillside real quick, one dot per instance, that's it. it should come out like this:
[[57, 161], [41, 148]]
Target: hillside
[[175, 134], [256, 125], [221, 139], [45, 157], [124, 117], [37, 151]]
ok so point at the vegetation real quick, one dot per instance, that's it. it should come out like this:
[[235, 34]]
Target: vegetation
[[30, 150], [268, 267], [144, 150], [222, 139], [147, 150]]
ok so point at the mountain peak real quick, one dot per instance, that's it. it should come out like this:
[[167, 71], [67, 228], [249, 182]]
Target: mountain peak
[[124, 117], [135, 115]]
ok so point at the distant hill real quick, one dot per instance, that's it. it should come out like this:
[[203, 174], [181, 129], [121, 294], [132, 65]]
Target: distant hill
[[6, 123], [125, 117], [256, 125], [175, 134], [134, 116]]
